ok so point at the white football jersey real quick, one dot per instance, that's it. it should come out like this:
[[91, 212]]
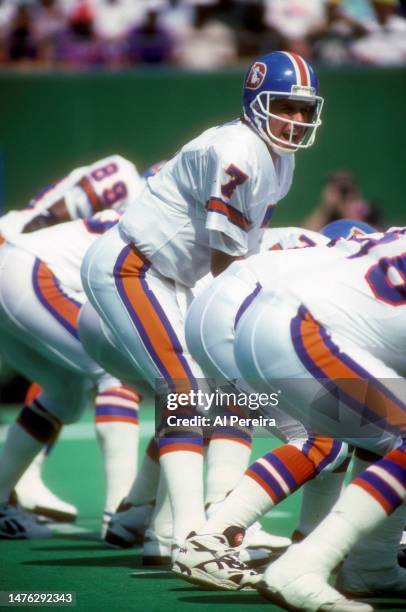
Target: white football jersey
[[218, 193], [276, 238], [355, 287], [108, 183], [62, 247]]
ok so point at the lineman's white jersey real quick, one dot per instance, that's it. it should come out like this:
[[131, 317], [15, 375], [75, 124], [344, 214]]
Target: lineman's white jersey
[[218, 193], [62, 247], [355, 287], [275, 239], [111, 182]]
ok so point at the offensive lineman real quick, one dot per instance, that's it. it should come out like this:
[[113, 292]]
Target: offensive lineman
[[328, 329], [107, 183]]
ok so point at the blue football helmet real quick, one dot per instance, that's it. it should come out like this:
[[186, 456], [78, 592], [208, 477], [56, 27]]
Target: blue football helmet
[[346, 228], [281, 75]]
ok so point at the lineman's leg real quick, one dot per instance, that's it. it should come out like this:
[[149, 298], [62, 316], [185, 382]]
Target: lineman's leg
[[141, 310], [356, 378], [210, 332], [371, 568], [116, 411], [41, 314]]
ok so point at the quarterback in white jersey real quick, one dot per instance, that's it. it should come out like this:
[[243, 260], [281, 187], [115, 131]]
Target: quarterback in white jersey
[[208, 206], [110, 182]]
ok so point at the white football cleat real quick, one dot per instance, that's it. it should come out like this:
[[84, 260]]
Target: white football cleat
[[356, 581], [18, 524], [291, 585], [157, 549], [208, 560], [34, 495], [257, 537], [127, 525]]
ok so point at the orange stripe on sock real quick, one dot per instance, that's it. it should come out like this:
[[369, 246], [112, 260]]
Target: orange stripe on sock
[[380, 499], [296, 462], [193, 448], [109, 418]]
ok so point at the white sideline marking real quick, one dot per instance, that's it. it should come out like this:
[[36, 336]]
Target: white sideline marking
[[85, 431], [157, 571]]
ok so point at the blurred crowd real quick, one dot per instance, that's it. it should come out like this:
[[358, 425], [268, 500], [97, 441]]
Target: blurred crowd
[[341, 198], [198, 34]]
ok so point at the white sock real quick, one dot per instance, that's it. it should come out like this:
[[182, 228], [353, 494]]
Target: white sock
[[16, 455], [354, 515], [227, 461], [319, 496], [34, 470], [379, 550], [116, 422], [241, 508], [144, 488], [184, 477], [161, 524]]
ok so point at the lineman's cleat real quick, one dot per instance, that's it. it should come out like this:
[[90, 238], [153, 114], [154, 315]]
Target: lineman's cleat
[[257, 537], [292, 585], [18, 524], [156, 550], [208, 560], [34, 496], [127, 525], [356, 581]]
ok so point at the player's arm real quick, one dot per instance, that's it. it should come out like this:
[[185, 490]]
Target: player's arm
[[57, 213], [220, 261]]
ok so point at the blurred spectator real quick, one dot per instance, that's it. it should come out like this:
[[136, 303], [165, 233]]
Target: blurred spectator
[[254, 36], [207, 43], [49, 22], [370, 31], [341, 199], [385, 42], [344, 23], [7, 11], [20, 42], [78, 46], [295, 20], [114, 18], [150, 42]]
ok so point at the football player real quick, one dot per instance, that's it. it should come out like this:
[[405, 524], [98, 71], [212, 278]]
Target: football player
[[327, 329], [107, 183], [40, 300], [207, 207]]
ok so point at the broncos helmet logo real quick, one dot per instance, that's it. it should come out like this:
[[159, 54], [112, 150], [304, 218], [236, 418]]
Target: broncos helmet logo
[[256, 75]]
